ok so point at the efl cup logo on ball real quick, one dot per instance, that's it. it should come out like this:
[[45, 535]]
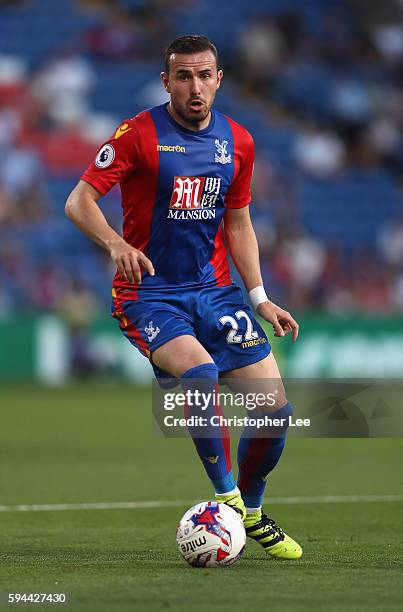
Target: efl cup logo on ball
[[210, 534]]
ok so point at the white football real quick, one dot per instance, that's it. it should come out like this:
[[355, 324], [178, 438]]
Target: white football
[[210, 533]]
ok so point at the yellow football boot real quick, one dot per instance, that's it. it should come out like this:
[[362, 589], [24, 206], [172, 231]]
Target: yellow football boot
[[276, 543], [234, 501]]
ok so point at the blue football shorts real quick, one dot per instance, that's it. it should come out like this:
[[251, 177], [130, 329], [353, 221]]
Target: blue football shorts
[[217, 316]]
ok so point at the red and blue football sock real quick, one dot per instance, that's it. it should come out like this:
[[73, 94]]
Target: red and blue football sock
[[257, 457], [214, 446]]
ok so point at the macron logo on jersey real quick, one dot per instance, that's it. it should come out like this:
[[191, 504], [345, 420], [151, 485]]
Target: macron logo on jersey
[[194, 197], [171, 148]]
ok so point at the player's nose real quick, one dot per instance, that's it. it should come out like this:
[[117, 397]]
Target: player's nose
[[195, 86]]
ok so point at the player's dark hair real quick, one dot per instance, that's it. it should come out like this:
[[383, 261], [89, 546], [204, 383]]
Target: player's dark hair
[[193, 43]]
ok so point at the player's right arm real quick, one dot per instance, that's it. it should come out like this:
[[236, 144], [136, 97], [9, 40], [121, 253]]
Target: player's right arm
[[115, 161], [83, 210]]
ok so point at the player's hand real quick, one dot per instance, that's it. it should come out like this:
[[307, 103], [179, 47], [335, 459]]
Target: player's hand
[[130, 261], [283, 323]]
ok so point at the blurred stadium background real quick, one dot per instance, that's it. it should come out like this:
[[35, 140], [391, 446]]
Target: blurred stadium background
[[319, 84]]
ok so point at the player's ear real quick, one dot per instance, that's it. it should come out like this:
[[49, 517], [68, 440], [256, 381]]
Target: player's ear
[[220, 75], [165, 81]]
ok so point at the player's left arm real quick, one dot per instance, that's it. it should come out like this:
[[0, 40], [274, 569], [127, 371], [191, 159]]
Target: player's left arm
[[243, 247]]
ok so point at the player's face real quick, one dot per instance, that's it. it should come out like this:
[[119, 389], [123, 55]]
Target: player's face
[[192, 83]]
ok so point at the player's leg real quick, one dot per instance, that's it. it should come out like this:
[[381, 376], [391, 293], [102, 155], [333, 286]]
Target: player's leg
[[239, 346], [161, 331], [185, 358], [258, 455], [228, 330]]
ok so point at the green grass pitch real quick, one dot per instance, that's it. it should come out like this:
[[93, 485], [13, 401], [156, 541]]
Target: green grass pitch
[[95, 444]]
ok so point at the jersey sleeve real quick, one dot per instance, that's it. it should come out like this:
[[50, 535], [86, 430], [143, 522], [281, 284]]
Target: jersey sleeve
[[239, 192], [116, 159]]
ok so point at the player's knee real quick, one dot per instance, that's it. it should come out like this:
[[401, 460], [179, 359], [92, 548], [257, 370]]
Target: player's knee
[[283, 416], [285, 412], [204, 370], [277, 422], [200, 383], [275, 402], [202, 378]]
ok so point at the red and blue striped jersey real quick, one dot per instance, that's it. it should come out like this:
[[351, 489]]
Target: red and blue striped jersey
[[176, 185]]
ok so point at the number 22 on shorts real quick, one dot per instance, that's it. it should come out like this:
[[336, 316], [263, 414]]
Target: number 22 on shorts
[[233, 337]]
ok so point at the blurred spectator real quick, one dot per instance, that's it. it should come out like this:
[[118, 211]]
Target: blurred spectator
[[397, 295], [339, 299], [63, 85], [13, 72], [153, 94], [260, 39], [351, 101], [384, 137], [389, 41], [273, 202], [371, 286], [294, 267], [114, 39], [78, 307], [319, 152], [390, 243], [47, 286], [306, 257], [129, 32], [360, 152], [10, 127], [23, 195], [16, 274]]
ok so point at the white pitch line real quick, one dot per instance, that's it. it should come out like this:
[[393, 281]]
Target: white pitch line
[[136, 505]]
